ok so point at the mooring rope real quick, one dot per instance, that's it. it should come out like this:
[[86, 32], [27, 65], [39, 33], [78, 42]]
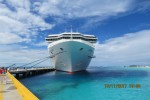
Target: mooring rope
[[35, 61]]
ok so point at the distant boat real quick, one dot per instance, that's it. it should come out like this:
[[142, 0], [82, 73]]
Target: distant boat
[[71, 51]]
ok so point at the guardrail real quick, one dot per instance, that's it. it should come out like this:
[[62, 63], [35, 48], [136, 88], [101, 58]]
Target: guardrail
[[26, 94]]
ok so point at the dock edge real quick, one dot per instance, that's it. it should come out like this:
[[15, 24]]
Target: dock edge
[[24, 92]]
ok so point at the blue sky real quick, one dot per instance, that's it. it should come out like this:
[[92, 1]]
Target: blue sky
[[122, 28]]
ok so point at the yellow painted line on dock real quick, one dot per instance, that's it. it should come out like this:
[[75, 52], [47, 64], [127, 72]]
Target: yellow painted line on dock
[[24, 92], [1, 91]]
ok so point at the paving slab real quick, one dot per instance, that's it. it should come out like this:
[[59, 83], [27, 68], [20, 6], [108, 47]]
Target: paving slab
[[8, 90]]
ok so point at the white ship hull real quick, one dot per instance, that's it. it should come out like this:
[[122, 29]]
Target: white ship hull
[[70, 55]]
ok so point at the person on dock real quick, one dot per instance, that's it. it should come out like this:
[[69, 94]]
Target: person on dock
[[2, 70], [2, 75]]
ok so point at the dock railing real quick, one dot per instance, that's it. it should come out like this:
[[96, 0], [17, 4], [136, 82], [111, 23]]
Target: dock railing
[[26, 94]]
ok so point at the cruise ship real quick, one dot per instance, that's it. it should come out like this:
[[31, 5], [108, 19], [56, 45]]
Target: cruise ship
[[71, 51]]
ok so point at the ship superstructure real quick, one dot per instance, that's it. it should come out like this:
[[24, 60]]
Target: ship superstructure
[[71, 51]]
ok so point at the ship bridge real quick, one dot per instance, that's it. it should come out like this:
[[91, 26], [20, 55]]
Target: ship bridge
[[71, 35]]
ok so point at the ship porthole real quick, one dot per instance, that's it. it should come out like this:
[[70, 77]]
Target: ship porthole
[[52, 51], [81, 49], [61, 49]]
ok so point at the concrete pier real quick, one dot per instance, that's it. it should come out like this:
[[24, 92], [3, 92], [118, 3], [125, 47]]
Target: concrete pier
[[8, 90], [12, 89], [30, 72]]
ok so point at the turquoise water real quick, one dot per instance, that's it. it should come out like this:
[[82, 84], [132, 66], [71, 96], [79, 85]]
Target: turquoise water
[[90, 85]]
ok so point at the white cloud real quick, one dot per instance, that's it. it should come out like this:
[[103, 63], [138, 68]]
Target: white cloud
[[26, 18], [19, 4], [82, 8], [20, 55], [16, 18], [131, 48], [23, 16], [9, 25], [43, 43], [95, 10], [7, 38]]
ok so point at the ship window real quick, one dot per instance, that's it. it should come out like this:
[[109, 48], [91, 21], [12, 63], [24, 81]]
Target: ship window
[[52, 51], [81, 49], [61, 49]]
